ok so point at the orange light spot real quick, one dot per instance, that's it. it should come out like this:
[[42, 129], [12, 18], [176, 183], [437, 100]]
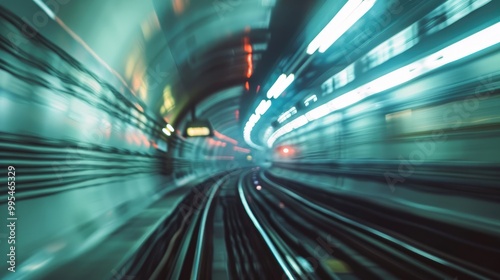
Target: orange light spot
[[215, 143], [145, 141], [139, 107], [225, 138], [247, 86], [250, 65], [241, 150], [179, 6], [286, 151], [248, 49]]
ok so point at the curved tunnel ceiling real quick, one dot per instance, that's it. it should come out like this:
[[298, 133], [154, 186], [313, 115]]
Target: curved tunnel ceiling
[[222, 110], [174, 54], [207, 45], [222, 44]]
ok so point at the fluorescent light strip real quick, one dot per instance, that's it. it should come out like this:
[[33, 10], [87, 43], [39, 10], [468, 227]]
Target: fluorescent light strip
[[345, 25], [275, 91], [310, 100], [286, 115], [479, 41], [280, 85], [318, 112], [263, 107], [248, 140], [349, 14], [281, 79], [197, 131], [170, 127], [45, 8], [166, 131], [254, 118], [288, 81]]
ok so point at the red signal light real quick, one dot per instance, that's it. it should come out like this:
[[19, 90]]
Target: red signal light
[[286, 151]]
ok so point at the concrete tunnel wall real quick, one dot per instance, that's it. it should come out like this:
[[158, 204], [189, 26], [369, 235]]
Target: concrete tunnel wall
[[87, 159]]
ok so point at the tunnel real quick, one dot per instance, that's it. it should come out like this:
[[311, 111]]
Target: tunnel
[[250, 139]]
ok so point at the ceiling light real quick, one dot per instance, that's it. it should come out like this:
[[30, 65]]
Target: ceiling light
[[170, 127], [166, 131], [263, 107], [349, 14], [280, 85]]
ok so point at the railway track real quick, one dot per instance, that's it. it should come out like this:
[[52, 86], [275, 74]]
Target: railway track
[[211, 236], [374, 242], [247, 225]]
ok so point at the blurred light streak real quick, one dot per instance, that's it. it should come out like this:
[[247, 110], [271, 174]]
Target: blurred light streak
[[137, 139], [470, 45], [318, 112], [59, 104], [198, 131], [474, 43], [254, 118], [180, 135], [216, 143], [170, 127], [45, 8], [399, 114], [310, 100], [264, 105], [450, 11], [286, 115], [363, 107], [281, 84], [80, 41], [349, 14], [150, 26], [166, 131], [153, 143], [240, 149], [248, 49], [298, 122], [145, 141], [90, 82], [179, 6], [36, 266], [219, 157], [168, 100], [139, 107], [225, 138]]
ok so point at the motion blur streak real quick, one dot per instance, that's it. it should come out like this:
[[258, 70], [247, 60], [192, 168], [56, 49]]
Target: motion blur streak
[[248, 49], [255, 139]]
